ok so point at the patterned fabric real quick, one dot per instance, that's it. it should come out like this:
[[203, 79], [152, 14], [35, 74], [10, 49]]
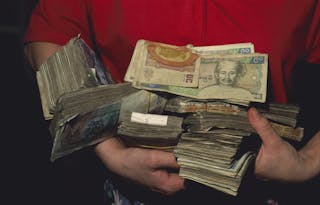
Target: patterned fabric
[[271, 202], [113, 197]]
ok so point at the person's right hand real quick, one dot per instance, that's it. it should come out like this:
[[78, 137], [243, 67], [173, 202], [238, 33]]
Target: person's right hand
[[144, 166]]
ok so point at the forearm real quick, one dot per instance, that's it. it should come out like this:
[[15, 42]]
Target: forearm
[[311, 155], [107, 151], [38, 52]]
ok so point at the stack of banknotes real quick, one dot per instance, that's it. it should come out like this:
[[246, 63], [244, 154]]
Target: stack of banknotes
[[151, 131], [233, 72], [213, 150], [89, 116], [74, 66], [86, 116]]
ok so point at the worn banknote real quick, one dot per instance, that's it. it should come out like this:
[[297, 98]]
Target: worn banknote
[[238, 77], [150, 130], [86, 129], [212, 159], [142, 101], [72, 67], [154, 62], [86, 117], [237, 48], [165, 64]]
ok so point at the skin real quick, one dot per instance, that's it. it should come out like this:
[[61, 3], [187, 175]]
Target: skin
[[276, 160], [143, 166]]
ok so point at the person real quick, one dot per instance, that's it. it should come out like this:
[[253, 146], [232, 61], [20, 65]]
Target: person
[[112, 27], [227, 74]]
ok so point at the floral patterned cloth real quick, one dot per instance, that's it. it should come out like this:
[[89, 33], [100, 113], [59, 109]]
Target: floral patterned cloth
[[114, 197]]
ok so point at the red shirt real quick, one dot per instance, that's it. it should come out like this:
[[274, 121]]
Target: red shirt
[[287, 30]]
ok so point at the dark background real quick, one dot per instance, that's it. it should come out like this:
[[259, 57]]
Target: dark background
[[24, 161], [28, 176]]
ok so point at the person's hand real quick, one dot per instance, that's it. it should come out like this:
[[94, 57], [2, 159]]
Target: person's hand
[[144, 166], [277, 159]]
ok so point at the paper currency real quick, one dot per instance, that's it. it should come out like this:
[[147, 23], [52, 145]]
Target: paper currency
[[210, 159], [151, 130], [180, 104], [189, 100], [219, 143], [85, 129], [206, 121], [230, 71], [247, 84], [285, 114], [154, 62], [288, 110], [142, 101], [209, 175], [74, 66], [86, 117], [237, 48]]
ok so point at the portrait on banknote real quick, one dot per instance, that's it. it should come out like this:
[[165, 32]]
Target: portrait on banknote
[[226, 74], [238, 75]]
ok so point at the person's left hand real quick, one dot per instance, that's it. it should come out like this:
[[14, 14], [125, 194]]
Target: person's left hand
[[277, 159]]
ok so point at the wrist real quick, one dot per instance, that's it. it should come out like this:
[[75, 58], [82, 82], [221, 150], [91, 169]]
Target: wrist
[[109, 146], [311, 156], [109, 150]]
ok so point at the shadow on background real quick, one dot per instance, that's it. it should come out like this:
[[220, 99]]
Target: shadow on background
[[28, 175]]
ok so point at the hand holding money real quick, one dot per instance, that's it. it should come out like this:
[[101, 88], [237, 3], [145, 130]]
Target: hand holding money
[[275, 153], [144, 166]]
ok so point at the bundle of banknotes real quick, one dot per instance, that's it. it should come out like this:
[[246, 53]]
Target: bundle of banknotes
[[89, 116], [208, 114], [209, 159], [151, 131], [74, 66], [85, 117], [232, 71], [80, 98], [213, 150]]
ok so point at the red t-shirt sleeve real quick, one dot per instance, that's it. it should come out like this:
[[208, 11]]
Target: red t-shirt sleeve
[[57, 21], [313, 40]]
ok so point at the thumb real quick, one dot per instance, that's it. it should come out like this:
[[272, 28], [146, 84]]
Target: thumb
[[163, 159], [263, 127]]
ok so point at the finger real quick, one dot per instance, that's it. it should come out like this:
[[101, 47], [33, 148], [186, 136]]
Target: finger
[[162, 159], [262, 127], [176, 183], [168, 183]]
